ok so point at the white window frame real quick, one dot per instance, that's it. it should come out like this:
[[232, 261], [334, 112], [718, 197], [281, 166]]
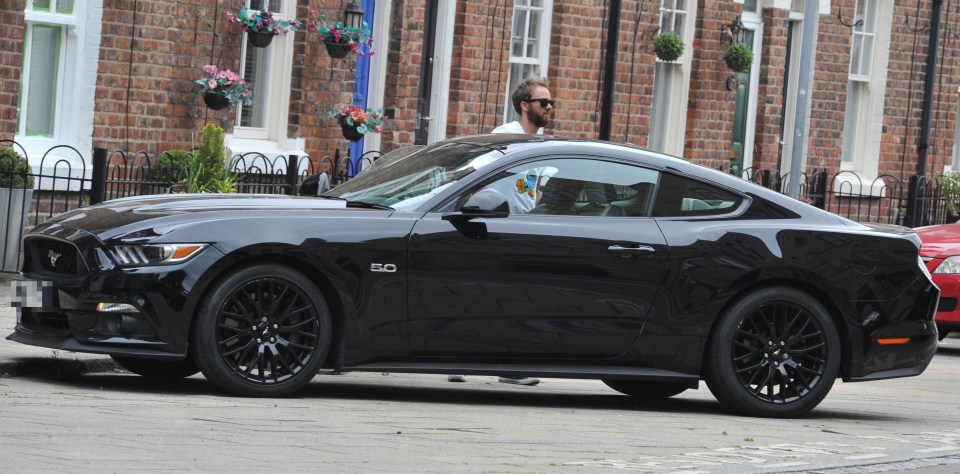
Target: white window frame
[[668, 122], [541, 62], [955, 161], [270, 140], [863, 123], [73, 107]]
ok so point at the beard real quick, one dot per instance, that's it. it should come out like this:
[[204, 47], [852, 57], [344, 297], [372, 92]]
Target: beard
[[540, 120]]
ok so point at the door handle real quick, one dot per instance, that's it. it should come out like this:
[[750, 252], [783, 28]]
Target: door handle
[[629, 251]]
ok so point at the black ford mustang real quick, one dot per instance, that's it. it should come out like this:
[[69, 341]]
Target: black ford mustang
[[501, 255]]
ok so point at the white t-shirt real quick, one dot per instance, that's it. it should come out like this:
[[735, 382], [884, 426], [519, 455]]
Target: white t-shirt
[[521, 191], [513, 127]]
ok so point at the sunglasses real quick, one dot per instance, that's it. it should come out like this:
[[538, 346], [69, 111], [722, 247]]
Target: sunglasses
[[543, 102]]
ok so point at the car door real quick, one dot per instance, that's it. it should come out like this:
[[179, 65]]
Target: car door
[[572, 278]]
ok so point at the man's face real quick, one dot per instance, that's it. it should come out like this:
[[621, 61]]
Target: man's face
[[537, 110]]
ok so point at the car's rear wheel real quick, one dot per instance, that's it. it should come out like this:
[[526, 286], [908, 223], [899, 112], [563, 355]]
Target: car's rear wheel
[[647, 390], [262, 331], [774, 353], [157, 369]]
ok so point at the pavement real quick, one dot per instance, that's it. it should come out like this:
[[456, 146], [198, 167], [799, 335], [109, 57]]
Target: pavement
[[21, 359]]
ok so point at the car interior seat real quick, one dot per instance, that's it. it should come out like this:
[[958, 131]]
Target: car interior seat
[[637, 205], [597, 201], [558, 196]]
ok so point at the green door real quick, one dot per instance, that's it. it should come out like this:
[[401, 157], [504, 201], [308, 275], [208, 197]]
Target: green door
[[741, 110]]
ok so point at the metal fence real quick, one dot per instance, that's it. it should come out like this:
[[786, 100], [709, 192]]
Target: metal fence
[[65, 180]]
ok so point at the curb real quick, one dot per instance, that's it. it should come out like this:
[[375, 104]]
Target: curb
[[56, 367]]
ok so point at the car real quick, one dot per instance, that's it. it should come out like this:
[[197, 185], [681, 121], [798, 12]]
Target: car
[[511, 255], [940, 250]]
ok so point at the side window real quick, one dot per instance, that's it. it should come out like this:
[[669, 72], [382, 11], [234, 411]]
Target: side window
[[575, 187], [61, 42], [529, 45], [267, 70], [678, 196]]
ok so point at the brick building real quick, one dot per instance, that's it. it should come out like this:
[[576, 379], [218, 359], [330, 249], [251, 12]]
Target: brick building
[[120, 75]]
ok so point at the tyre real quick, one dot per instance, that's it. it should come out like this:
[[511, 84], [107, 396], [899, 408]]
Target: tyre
[[262, 331], [157, 369], [647, 390], [774, 353]]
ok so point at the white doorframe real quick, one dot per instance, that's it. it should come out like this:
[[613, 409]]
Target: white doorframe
[[376, 86], [442, 57]]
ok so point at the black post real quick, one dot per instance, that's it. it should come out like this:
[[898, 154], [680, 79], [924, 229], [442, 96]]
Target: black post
[[923, 145], [292, 174], [609, 69], [98, 185]]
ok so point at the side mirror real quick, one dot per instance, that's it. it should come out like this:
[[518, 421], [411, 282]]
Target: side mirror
[[485, 203]]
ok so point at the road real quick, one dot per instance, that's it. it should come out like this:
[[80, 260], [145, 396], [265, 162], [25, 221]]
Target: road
[[56, 418]]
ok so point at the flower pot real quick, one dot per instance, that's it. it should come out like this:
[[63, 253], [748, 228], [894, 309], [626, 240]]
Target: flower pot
[[259, 39], [337, 50], [14, 218], [216, 100], [350, 132]]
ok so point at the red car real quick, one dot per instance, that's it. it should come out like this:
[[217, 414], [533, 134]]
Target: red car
[[941, 253]]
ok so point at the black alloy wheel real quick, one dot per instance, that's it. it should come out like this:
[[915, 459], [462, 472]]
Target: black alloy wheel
[[263, 331], [647, 390], [157, 369], [774, 353]]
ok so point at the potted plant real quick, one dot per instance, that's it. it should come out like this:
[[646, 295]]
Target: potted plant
[[339, 39], [948, 191], [668, 46], [261, 26], [355, 122], [222, 88], [738, 57], [16, 191]]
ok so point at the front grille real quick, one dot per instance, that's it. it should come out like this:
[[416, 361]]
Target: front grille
[[49, 324], [52, 256], [947, 305]]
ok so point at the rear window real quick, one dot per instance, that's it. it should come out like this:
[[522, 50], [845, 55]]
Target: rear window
[[678, 196]]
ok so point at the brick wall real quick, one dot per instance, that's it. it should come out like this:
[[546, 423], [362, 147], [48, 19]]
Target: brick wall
[[152, 52], [11, 59]]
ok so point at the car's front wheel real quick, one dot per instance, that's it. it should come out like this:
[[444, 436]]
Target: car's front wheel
[[262, 331], [647, 390], [774, 353], [157, 369]]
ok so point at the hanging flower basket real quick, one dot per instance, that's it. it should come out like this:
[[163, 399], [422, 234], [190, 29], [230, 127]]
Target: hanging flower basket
[[337, 50], [259, 39], [350, 131], [216, 100]]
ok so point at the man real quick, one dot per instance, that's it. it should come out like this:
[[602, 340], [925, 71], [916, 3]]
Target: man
[[531, 99]]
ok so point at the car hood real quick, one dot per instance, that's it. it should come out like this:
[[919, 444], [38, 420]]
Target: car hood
[[939, 241], [119, 214]]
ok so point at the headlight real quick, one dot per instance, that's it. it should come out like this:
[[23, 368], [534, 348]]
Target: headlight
[[949, 265], [158, 254]]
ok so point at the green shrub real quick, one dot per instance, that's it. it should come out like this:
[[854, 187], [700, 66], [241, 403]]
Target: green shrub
[[172, 166], [14, 170], [668, 46], [738, 57], [203, 171]]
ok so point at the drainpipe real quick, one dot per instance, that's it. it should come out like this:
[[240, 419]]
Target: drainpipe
[[923, 144], [609, 69]]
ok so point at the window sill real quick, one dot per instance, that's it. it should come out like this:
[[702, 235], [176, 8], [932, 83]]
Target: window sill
[[266, 156]]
